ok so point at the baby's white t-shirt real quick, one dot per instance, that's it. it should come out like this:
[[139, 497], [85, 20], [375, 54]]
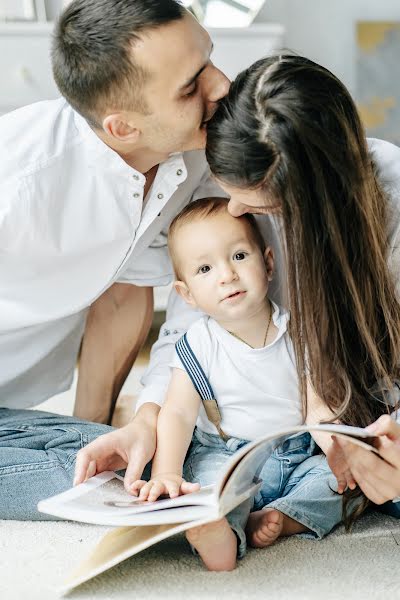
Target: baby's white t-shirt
[[257, 389]]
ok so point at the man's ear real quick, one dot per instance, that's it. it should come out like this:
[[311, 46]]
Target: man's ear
[[119, 127], [269, 262], [183, 291]]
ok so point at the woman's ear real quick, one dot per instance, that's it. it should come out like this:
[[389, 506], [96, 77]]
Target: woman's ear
[[183, 291], [269, 262]]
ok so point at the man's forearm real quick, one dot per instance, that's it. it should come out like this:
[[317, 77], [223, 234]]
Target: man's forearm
[[148, 413], [116, 328]]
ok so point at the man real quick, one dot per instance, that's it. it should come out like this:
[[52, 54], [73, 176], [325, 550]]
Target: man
[[88, 187]]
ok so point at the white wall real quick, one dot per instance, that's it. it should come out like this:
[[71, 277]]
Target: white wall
[[324, 30]]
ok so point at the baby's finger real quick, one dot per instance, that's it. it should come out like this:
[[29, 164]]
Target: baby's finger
[[187, 487], [145, 490], [157, 489], [172, 489]]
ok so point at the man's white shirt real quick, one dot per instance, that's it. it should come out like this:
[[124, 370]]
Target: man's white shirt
[[72, 222]]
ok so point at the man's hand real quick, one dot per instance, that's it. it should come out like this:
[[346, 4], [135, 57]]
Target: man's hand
[[339, 466], [171, 484], [130, 447], [378, 477]]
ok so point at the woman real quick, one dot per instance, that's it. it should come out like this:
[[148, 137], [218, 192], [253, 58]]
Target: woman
[[288, 139]]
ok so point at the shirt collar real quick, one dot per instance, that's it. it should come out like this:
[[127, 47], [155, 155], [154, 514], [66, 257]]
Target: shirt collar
[[173, 170]]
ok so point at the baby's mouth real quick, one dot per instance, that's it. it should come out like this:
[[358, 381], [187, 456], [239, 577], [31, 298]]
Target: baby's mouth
[[234, 295]]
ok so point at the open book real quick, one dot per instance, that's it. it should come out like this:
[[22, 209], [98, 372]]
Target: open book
[[102, 500]]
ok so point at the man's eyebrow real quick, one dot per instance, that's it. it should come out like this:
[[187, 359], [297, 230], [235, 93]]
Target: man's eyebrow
[[193, 79]]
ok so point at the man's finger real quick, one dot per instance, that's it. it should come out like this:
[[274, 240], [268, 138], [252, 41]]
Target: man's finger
[[137, 486], [134, 469], [81, 467], [91, 470]]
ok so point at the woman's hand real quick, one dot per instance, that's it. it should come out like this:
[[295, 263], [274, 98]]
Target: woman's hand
[[130, 447], [170, 484], [377, 476], [339, 466]]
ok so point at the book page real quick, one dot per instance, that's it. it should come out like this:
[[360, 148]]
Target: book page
[[120, 544], [241, 471], [103, 500]]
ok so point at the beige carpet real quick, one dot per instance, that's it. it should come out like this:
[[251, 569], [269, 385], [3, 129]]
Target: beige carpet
[[36, 557]]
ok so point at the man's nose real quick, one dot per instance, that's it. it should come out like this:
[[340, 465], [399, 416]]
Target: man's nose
[[219, 85], [236, 208]]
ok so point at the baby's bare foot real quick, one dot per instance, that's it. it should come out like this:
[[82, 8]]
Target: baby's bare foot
[[264, 527], [216, 543]]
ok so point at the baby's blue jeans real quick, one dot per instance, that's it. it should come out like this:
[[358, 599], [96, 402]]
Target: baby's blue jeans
[[297, 481]]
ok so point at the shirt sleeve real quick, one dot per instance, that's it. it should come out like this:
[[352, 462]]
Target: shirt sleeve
[[387, 160], [155, 380], [152, 268]]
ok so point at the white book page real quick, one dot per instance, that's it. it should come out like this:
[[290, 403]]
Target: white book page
[[103, 500], [241, 471]]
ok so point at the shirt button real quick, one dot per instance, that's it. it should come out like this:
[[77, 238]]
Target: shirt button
[[136, 195], [179, 172], [160, 196], [136, 177]]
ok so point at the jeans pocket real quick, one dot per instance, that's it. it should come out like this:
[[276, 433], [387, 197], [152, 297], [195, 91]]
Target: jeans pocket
[[295, 449]]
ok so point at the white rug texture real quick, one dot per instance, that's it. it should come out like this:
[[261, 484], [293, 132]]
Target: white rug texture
[[37, 557]]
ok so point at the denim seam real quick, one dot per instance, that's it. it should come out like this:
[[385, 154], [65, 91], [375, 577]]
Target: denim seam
[[29, 467]]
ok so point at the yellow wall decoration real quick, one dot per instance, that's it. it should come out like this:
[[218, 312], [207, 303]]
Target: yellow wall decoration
[[378, 78]]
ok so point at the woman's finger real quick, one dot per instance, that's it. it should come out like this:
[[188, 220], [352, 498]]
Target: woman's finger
[[376, 478], [385, 425], [390, 451]]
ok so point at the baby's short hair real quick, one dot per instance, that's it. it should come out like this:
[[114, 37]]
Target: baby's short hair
[[200, 209]]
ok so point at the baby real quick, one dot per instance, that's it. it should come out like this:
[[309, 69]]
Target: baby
[[241, 355]]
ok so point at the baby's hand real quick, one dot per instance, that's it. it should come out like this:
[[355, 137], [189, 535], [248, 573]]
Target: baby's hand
[[170, 484], [339, 467]]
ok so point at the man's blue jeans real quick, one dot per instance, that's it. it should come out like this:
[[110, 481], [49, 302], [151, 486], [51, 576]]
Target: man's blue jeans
[[37, 458]]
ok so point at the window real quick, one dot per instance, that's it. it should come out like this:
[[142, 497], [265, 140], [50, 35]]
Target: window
[[225, 13]]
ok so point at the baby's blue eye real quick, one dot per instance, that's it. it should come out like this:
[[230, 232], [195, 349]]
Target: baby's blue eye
[[204, 269], [240, 255]]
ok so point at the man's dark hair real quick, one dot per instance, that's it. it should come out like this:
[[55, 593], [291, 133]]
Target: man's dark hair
[[93, 63]]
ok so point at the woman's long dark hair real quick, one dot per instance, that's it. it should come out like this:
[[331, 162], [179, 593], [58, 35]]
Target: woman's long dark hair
[[290, 127]]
